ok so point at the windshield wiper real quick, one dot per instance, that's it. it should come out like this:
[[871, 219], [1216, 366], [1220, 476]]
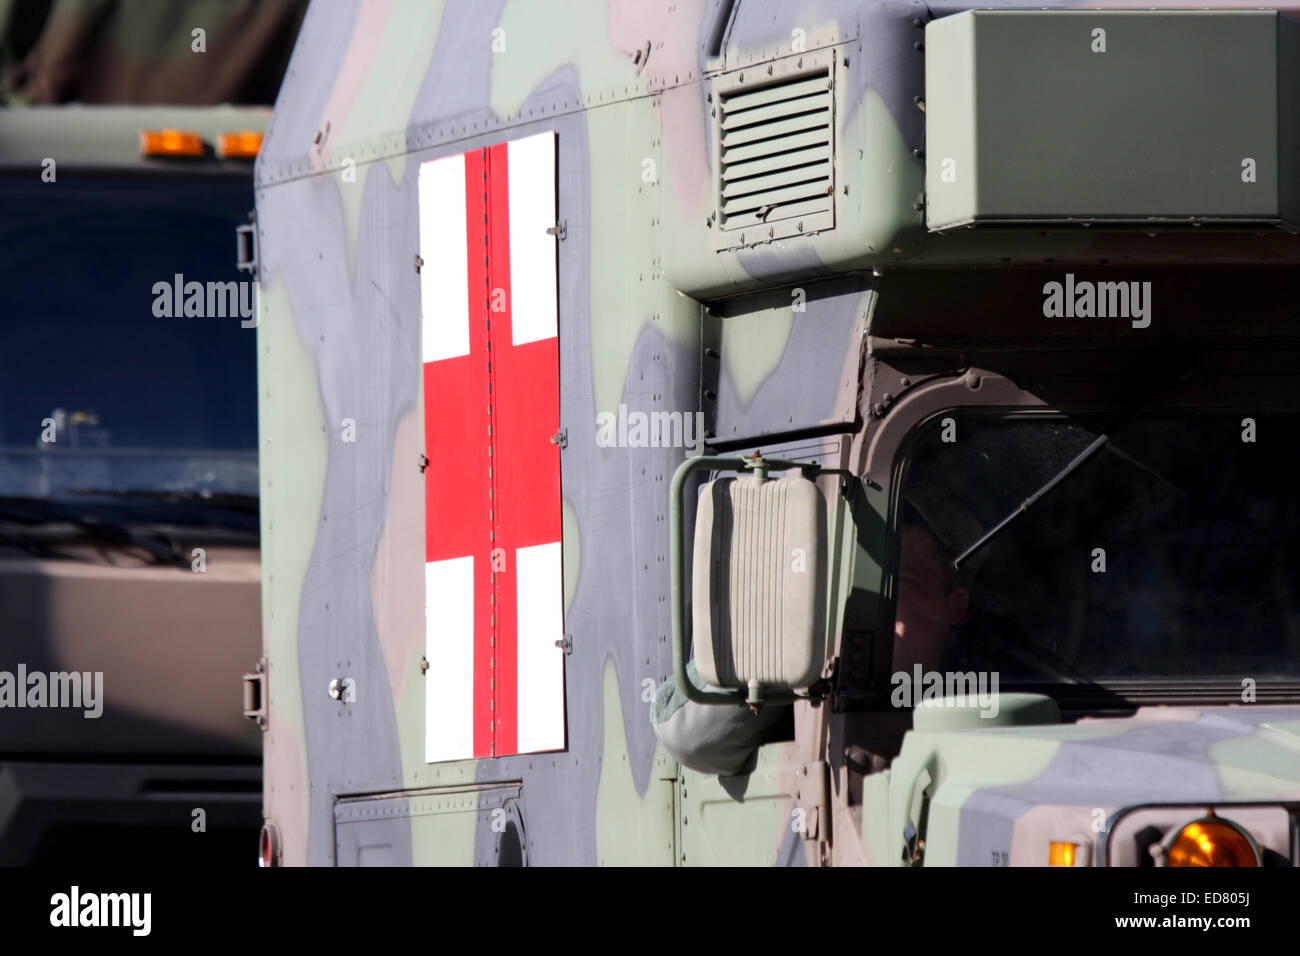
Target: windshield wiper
[[1028, 503], [1165, 385], [46, 525], [36, 524], [230, 500]]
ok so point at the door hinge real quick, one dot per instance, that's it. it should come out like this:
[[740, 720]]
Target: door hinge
[[559, 230], [246, 245], [561, 438], [424, 463], [255, 695], [810, 790]]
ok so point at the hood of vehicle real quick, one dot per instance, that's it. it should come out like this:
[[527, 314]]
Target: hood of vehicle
[[1167, 753], [171, 644], [984, 782]]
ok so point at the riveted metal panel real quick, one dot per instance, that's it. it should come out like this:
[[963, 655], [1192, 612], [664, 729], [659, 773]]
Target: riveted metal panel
[[1118, 117], [376, 830]]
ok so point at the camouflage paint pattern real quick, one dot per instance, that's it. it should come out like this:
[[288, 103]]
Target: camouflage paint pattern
[[650, 316]]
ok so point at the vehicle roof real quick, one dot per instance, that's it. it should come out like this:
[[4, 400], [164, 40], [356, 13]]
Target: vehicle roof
[[81, 135]]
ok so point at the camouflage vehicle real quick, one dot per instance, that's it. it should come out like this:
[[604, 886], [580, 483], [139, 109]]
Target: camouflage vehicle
[[129, 571], [755, 432]]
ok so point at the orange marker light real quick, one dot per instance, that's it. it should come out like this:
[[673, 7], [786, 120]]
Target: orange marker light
[[241, 145], [170, 142], [1061, 854], [1211, 841]]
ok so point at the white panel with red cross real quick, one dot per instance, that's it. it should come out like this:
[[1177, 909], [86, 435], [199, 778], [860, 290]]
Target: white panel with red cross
[[493, 579]]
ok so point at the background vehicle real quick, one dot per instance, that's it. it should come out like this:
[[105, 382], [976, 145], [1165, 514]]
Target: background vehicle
[[833, 234], [128, 469], [127, 441]]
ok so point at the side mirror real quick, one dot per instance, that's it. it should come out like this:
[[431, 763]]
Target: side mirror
[[758, 582]]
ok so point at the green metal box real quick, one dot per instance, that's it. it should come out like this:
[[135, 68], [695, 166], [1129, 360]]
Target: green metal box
[[1176, 117]]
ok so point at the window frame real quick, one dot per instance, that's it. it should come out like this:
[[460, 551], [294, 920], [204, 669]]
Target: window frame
[[1104, 696]]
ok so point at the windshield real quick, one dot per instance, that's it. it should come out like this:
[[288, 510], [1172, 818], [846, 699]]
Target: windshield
[[108, 387], [1172, 551]]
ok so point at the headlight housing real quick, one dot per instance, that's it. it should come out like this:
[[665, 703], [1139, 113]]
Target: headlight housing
[[1210, 840]]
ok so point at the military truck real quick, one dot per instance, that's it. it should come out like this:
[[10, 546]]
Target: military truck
[[753, 432], [129, 572]]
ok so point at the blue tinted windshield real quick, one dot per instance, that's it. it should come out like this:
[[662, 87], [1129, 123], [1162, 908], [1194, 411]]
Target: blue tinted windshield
[[99, 391]]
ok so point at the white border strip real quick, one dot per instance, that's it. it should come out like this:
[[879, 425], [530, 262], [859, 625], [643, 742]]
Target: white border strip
[[449, 649], [540, 606], [444, 280], [531, 163]]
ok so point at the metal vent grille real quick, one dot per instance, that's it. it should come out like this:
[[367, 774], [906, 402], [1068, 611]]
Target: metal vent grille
[[776, 157]]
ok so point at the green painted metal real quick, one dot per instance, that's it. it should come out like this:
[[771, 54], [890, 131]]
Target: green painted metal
[[968, 713], [633, 825], [1118, 116], [737, 821]]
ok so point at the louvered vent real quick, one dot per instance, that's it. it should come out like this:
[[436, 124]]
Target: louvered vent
[[775, 146]]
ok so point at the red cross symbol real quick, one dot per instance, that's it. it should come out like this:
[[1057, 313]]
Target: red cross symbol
[[492, 499]]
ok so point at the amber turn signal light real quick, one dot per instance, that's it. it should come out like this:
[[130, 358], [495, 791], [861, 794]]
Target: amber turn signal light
[[241, 145], [1212, 841], [1062, 854], [170, 142]]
